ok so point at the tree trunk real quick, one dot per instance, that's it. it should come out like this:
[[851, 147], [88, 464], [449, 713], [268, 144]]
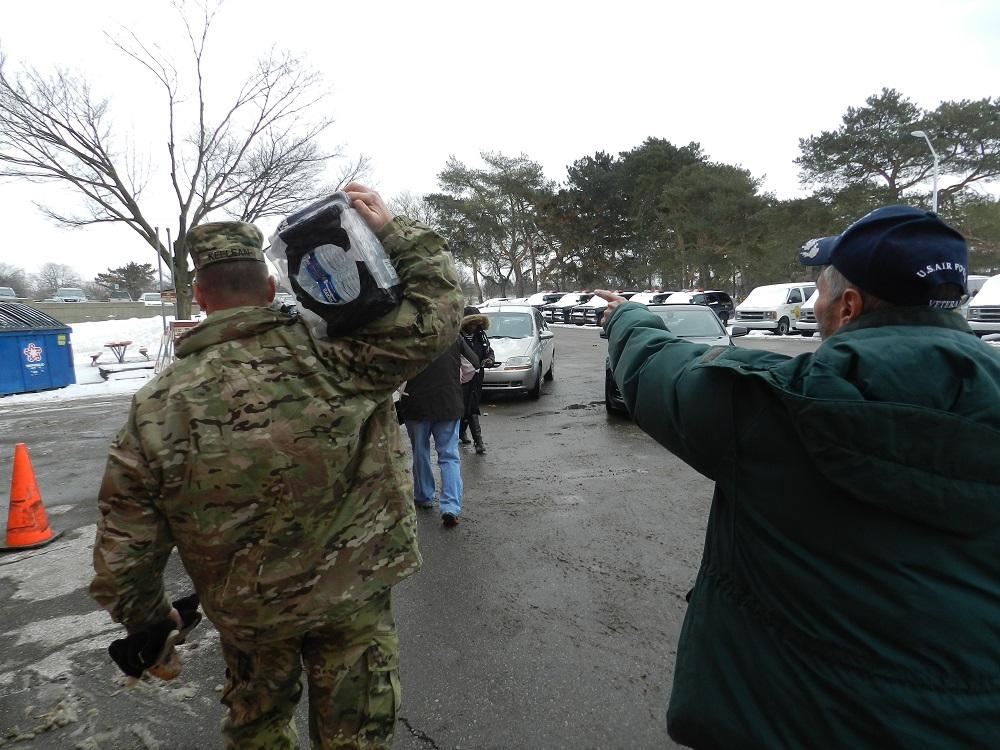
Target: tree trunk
[[182, 280], [475, 279], [705, 277], [534, 264], [518, 280]]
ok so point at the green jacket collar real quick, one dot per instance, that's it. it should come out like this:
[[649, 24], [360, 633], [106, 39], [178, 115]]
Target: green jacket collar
[[227, 325], [907, 316]]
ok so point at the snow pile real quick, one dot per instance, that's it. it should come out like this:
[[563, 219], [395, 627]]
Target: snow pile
[[90, 338]]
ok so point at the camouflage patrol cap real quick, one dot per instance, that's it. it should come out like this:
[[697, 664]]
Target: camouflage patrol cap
[[224, 241]]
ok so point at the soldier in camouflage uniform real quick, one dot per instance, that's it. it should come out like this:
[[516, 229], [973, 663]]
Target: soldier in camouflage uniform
[[272, 460]]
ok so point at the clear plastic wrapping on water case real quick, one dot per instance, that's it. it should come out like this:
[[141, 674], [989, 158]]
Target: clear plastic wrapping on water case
[[333, 262]]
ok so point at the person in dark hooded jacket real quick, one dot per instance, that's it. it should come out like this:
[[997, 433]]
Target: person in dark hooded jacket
[[431, 406], [849, 592], [474, 327]]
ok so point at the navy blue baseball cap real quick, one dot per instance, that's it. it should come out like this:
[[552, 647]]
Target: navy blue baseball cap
[[896, 253]]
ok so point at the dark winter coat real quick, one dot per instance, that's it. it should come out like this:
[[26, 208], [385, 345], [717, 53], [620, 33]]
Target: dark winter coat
[[849, 593], [472, 391], [435, 395]]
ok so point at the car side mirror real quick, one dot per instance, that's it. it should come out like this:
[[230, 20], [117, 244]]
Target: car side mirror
[[603, 334], [740, 331], [545, 335]]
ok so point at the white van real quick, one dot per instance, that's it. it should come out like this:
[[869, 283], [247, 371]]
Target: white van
[[774, 307], [806, 323], [973, 283], [984, 310]]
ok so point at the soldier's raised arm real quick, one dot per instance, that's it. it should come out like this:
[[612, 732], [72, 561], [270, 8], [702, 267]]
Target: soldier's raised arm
[[397, 346]]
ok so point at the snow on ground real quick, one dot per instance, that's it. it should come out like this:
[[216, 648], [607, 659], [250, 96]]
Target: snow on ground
[[90, 338]]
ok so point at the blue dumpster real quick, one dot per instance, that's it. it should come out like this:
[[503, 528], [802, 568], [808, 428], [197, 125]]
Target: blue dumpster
[[35, 350]]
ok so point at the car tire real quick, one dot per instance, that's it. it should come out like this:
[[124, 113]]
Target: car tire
[[552, 366], [535, 393], [783, 327]]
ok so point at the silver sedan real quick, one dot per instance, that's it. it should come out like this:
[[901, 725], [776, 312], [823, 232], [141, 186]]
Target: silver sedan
[[525, 353]]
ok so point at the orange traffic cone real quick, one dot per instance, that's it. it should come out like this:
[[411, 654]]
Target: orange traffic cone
[[27, 525]]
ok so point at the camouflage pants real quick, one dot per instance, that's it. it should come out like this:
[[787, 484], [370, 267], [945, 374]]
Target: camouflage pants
[[353, 673]]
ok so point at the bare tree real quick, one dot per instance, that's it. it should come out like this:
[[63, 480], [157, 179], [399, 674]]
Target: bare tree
[[414, 207], [15, 278], [359, 169], [53, 276], [260, 157]]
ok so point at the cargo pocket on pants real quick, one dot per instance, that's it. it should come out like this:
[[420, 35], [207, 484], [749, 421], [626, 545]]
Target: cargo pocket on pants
[[382, 704]]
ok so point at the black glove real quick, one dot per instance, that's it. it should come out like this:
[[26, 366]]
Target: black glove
[[187, 608], [147, 648]]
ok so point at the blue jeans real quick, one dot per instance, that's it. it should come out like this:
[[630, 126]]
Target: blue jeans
[[446, 442]]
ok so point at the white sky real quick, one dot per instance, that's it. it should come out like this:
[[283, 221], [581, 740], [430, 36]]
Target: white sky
[[413, 82]]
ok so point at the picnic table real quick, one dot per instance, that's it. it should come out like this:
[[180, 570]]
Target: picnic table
[[118, 348]]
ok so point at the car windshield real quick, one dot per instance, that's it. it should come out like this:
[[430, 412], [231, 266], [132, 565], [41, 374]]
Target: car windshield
[[68, 292], [688, 323], [509, 325]]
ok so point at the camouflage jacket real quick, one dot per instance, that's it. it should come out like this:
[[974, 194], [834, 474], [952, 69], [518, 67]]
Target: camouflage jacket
[[272, 460]]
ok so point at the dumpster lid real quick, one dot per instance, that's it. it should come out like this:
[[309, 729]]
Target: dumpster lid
[[15, 316]]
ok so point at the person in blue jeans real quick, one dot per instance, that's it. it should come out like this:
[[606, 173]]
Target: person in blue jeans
[[432, 405]]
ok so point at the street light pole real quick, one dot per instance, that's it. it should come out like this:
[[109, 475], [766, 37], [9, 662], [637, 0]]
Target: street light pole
[[934, 193]]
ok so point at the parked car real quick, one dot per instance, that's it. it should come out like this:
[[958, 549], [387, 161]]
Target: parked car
[[492, 302], [548, 310], [69, 294], [720, 302], [151, 299], [984, 311], [7, 294], [973, 283], [560, 311], [540, 299], [590, 312], [695, 323], [806, 323], [117, 295], [286, 302], [524, 350], [774, 307], [650, 298]]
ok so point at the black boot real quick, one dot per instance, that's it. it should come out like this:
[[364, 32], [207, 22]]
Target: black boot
[[463, 438], [477, 434]]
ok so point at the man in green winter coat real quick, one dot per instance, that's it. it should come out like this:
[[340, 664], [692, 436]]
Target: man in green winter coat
[[272, 460], [849, 592]]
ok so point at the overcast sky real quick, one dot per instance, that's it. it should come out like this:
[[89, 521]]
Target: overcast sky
[[414, 82]]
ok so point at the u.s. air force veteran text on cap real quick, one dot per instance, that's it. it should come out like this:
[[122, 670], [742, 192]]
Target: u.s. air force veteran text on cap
[[899, 254], [222, 241]]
